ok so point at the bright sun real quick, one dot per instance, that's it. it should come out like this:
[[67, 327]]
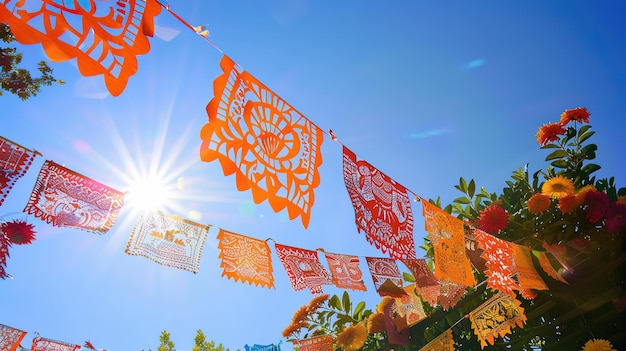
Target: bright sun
[[150, 193]]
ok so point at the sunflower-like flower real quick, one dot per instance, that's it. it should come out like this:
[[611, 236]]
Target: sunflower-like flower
[[578, 114], [557, 187], [376, 323], [493, 218], [568, 203], [598, 345], [616, 217], [538, 203], [550, 132], [353, 337], [597, 203], [380, 308], [18, 231]]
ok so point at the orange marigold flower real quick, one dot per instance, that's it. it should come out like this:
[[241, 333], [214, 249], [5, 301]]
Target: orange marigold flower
[[353, 337], [621, 199], [376, 323], [18, 231], [317, 302], [300, 316], [578, 114], [557, 187], [568, 203], [492, 219], [598, 345], [290, 330], [550, 132], [597, 203], [616, 218], [538, 203]]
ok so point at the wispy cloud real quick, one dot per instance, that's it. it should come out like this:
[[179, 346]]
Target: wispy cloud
[[429, 133], [474, 64]]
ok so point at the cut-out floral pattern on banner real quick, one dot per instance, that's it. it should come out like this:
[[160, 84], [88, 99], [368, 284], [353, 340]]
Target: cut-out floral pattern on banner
[[5, 243], [273, 149], [443, 342], [495, 317], [104, 37], [382, 207], [10, 338], [43, 344], [65, 198], [246, 259], [303, 268], [14, 163], [383, 270], [498, 255], [168, 240], [448, 238], [345, 271], [316, 343]]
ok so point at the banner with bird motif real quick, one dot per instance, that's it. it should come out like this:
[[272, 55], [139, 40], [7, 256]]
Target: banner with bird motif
[[168, 240]]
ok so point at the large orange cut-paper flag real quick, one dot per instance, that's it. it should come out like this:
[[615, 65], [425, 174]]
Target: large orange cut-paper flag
[[246, 259], [10, 338], [272, 149], [382, 207], [104, 37], [448, 238]]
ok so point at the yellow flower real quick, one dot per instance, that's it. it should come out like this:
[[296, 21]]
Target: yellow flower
[[557, 187], [376, 323], [380, 308], [353, 337], [598, 345]]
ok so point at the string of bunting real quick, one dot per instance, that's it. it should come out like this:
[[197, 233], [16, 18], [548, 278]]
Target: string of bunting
[[280, 168]]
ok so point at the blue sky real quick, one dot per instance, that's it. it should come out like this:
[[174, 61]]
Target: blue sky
[[425, 91]]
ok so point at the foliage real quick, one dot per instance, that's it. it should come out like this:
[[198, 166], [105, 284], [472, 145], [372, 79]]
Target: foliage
[[562, 209], [201, 344], [166, 343], [324, 315], [15, 79]]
